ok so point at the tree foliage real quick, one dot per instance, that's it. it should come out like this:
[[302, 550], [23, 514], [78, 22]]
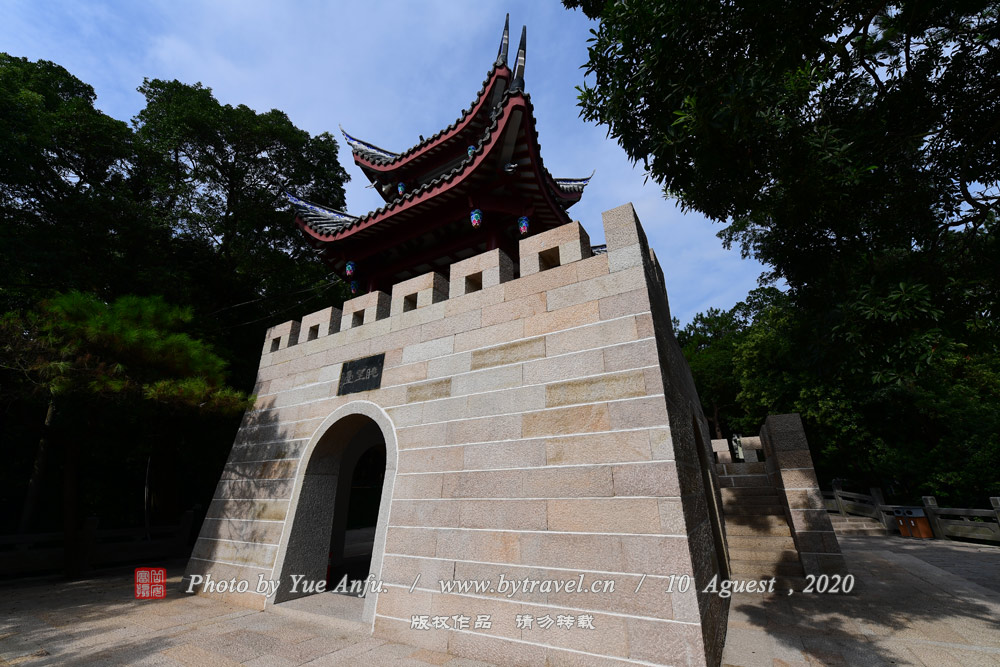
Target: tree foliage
[[78, 344], [63, 167], [217, 174], [852, 148], [140, 264], [809, 128]]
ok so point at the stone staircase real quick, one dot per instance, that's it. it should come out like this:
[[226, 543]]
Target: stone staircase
[[856, 525], [759, 537]]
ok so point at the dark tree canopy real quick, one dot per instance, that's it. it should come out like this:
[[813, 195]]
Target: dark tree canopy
[[140, 265], [63, 166], [811, 128], [218, 173], [852, 148]]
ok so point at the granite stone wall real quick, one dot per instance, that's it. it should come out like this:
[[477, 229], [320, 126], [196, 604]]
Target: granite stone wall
[[542, 427], [790, 470]]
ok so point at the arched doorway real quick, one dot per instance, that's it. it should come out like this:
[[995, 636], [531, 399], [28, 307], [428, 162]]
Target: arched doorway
[[338, 514], [359, 495]]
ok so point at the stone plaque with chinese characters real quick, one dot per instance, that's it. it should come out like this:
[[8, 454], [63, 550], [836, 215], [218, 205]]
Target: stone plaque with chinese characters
[[361, 375]]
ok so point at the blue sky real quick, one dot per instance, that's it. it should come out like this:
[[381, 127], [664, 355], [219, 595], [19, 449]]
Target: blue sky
[[387, 71]]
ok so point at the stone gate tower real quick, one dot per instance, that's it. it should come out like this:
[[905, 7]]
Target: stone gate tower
[[500, 398]]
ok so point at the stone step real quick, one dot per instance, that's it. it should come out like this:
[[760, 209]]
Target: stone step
[[836, 518], [767, 542], [729, 481], [852, 530], [754, 510], [767, 525], [760, 499], [753, 568], [753, 468], [765, 555], [747, 491]]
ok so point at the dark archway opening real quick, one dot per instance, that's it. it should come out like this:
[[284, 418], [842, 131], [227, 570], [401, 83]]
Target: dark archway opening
[[334, 525], [351, 551]]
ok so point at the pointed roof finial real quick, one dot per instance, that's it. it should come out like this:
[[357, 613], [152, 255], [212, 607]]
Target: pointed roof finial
[[504, 42], [518, 83]]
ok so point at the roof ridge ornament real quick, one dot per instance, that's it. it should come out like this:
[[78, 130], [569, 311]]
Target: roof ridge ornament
[[359, 146], [575, 181], [320, 218], [504, 43], [518, 83]]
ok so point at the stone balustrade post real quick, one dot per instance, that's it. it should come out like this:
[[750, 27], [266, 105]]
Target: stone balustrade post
[[878, 500], [930, 508]]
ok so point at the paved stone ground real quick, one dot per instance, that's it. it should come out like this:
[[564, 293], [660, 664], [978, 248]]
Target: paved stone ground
[[98, 622], [915, 603], [934, 603]]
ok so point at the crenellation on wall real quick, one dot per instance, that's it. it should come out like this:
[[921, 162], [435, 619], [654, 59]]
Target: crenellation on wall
[[320, 324], [541, 282], [555, 247], [413, 319], [334, 328], [418, 292], [479, 272], [280, 337]]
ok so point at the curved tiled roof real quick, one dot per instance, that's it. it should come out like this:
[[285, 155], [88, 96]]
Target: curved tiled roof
[[328, 225], [574, 184], [379, 157], [327, 232], [443, 178], [367, 149], [318, 217]]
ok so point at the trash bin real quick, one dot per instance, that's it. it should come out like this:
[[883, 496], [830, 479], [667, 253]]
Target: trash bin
[[901, 522], [919, 525]]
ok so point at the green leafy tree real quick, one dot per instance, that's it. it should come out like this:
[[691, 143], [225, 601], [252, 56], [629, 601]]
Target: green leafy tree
[[77, 346], [185, 204], [63, 166], [708, 342], [808, 127], [851, 148], [215, 175]]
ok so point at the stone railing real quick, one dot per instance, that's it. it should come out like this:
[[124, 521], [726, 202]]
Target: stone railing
[[946, 522]]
